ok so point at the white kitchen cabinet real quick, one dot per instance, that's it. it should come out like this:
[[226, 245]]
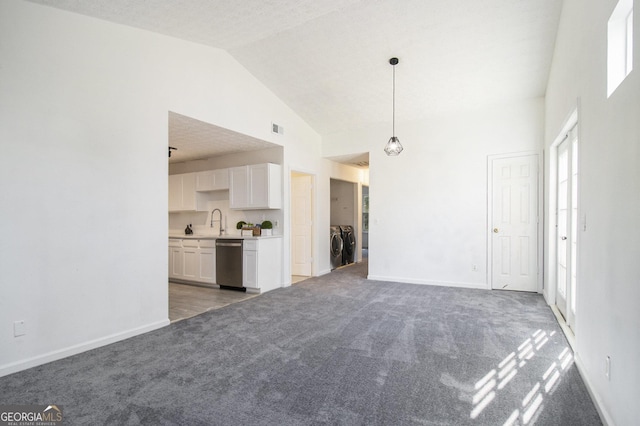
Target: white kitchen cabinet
[[260, 177], [193, 191], [190, 263], [207, 261], [262, 264], [182, 192], [175, 192], [249, 269], [238, 187], [258, 186], [192, 260], [175, 259], [212, 180]]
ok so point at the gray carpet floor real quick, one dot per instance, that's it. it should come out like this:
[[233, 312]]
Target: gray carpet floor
[[337, 349]]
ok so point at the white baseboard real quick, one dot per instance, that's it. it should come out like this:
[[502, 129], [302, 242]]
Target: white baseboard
[[568, 333], [35, 361], [427, 282], [595, 397], [605, 417]]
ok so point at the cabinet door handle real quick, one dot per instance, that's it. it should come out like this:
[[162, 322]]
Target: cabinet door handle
[[495, 230]]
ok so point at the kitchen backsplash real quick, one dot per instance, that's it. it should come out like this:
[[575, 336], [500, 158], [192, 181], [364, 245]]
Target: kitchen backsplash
[[202, 220]]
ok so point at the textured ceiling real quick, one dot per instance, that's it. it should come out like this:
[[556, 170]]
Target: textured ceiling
[[194, 140], [328, 59]]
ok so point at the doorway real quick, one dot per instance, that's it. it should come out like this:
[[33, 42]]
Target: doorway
[[514, 200], [345, 213], [301, 226]]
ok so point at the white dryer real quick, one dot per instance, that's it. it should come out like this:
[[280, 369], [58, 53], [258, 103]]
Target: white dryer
[[335, 245]]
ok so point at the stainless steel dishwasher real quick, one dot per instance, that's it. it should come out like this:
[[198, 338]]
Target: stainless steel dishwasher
[[229, 263]]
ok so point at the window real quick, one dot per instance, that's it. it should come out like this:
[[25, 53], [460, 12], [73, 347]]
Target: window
[[619, 45]]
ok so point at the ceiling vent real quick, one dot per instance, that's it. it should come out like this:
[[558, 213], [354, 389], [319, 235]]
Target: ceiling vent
[[276, 128]]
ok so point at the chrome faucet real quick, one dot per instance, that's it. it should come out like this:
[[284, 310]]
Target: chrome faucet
[[219, 220]]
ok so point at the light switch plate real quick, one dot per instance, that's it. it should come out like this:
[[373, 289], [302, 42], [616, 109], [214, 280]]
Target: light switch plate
[[19, 328]]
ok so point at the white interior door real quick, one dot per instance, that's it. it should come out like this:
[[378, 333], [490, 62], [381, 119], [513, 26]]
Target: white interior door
[[562, 226], [573, 270], [514, 214], [301, 215], [567, 226]]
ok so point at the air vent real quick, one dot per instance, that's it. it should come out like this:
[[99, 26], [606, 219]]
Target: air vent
[[276, 128]]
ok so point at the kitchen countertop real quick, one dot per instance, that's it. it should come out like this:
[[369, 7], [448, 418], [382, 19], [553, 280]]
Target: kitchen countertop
[[216, 237]]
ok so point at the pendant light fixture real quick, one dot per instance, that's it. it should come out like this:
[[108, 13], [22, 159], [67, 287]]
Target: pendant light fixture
[[393, 147]]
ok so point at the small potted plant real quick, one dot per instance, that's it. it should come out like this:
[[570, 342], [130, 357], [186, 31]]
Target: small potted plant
[[266, 228], [240, 225]]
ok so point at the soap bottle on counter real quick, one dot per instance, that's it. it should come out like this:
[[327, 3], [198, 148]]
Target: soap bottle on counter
[[188, 230]]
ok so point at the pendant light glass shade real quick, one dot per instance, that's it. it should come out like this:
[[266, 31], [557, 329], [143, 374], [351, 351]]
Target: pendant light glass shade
[[393, 147]]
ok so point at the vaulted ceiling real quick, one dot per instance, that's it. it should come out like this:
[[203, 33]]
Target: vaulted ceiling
[[328, 59]]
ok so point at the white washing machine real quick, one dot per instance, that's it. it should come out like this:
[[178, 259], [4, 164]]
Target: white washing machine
[[335, 245], [349, 243]]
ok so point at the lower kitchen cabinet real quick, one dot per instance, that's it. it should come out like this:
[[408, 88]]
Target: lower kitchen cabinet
[[207, 262], [249, 269], [192, 260], [261, 264], [175, 258]]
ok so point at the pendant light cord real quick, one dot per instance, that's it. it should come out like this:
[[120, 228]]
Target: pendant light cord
[[393, 121]]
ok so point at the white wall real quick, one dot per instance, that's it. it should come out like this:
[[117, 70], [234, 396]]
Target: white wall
[[428, 206], [608, 317], [343, 202], [83, 127]]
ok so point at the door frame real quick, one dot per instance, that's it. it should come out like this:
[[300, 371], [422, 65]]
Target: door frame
[[540, 213], [555, 151], [552, 229], [313, 237]]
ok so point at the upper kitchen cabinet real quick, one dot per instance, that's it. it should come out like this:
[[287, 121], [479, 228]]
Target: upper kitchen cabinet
[[212, 180], [258, 186], [182, 192], [192, 191]]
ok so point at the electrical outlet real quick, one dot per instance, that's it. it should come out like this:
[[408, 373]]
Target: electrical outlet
[[474, 268], [276, 223], [607, 368], [19, 328]]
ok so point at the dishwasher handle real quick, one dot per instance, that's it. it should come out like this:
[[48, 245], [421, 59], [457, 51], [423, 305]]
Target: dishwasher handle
[[228, 244]]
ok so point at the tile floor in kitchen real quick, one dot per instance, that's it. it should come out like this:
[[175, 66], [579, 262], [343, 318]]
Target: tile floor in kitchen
[[186, 301]]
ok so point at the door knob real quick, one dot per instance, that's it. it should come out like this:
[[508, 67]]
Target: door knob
[[495, 230], [563, 238]]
